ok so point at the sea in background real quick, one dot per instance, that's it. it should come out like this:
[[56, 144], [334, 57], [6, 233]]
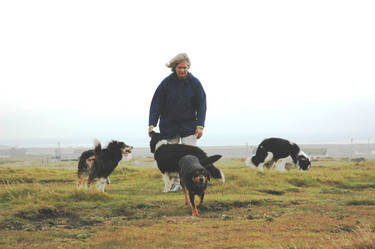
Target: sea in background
[[71, 149], [209, 139]]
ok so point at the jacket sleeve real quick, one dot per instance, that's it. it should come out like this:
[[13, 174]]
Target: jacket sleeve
[[155, 108], [201, 105]]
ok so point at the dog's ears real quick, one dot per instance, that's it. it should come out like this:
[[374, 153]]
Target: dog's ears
[[209, 160]]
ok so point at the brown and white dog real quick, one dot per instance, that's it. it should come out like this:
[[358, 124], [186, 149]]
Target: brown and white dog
[[98, 164]]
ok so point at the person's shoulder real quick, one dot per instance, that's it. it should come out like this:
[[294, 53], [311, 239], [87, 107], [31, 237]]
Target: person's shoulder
[[191, 76], [169, 78], [165, 82], [194, 79]]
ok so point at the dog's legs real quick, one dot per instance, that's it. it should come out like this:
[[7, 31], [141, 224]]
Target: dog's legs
[[222, 176], [108, 180], [100, 185], [166, 182], [80, 181], [104, 183], [185, 194], [97, 184], [193, 207], [201, 199], [280, 165], [260, 167], [266, 159], [88, 182], [170, 180], [175, 181]]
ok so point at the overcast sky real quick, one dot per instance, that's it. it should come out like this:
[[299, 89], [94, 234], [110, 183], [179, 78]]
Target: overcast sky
[[72, 71]]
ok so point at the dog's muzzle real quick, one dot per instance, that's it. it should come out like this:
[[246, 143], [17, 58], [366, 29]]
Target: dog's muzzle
[[200, 180], [128, 150]]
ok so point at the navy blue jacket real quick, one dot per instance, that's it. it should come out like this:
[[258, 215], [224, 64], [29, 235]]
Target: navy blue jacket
[[180, 105]]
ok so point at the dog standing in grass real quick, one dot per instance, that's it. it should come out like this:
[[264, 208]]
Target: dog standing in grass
[[194, 178], [168, 156], [98, 164]]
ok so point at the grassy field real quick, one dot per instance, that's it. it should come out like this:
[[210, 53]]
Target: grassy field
[[330, 206]]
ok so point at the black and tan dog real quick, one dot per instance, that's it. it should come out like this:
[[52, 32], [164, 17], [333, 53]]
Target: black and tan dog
[[98, 164], [194, 178]]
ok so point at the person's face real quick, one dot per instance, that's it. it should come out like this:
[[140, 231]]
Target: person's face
[[182, 70]]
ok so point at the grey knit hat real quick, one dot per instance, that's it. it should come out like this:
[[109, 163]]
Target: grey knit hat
[[177, 60]]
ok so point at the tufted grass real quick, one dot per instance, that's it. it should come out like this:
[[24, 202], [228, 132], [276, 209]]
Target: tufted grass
[[330, 206]]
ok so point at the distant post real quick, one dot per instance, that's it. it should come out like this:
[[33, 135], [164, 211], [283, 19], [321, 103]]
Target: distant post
[[368, 148], [58, 151]]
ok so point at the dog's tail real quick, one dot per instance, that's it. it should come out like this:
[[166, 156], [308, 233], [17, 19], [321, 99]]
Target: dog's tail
[[98, 147], [215, 172], [207, 163], [82, 165]]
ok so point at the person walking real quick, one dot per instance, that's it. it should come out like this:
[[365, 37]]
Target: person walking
[[179, 104]]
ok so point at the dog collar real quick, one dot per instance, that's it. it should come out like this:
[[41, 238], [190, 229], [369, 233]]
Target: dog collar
[[160, 143]]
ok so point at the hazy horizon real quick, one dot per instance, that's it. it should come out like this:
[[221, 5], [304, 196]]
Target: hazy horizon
[[211, 141]]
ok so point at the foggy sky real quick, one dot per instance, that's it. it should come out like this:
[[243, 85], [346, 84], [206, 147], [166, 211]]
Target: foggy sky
[[73, 71]]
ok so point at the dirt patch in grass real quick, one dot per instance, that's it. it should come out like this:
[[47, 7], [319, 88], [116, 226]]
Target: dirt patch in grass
[[301, 182], [43, 213], [14, 223], [45, 217], [88, 196], [344, 228], [272, 192], [56, 181], [217, 206], [361, 203], [17, 180]]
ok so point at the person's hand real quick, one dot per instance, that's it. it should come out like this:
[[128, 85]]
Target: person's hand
[[198, 132], [150, 128]]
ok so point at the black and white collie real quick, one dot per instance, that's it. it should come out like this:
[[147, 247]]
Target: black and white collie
[[98, 164], [278, 151], [167, 157]]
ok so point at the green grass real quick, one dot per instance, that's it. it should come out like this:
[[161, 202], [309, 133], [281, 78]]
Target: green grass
[[330, 206]]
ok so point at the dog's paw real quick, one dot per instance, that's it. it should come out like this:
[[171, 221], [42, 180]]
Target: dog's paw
[[195, 212], [222, 176], [175, 187]]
